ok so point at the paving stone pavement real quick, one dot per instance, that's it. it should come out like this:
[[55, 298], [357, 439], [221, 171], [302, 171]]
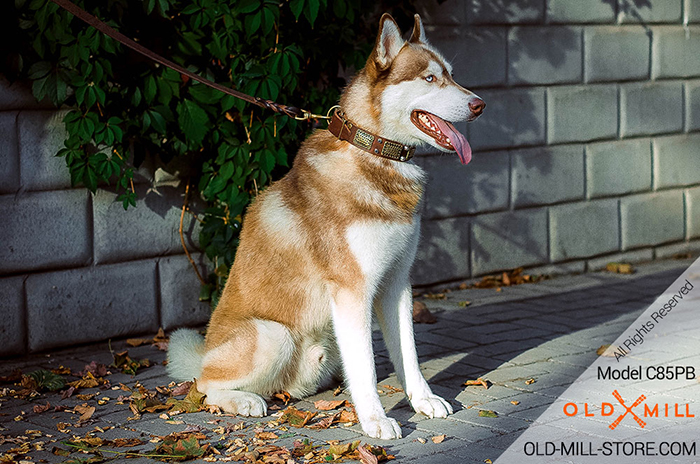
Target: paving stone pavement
[[547, 332]]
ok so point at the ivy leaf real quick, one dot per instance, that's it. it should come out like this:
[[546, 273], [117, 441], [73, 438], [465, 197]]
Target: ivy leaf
[[268, 20], [39, 70], [90, 178], [193, 120], [252, 23], [248, 6], [311, 12], [267, 161], [217, 184], [163, 7], [127, 199], [157, 120], [227, 170], [205, 94], [136, 97], [148, 6], [296, 6], [149, 89], [281, 157], [339, 8]]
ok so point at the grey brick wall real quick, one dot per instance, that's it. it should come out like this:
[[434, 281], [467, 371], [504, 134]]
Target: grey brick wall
[[614, 53], [589, 148], [588, 152], [75, 267]]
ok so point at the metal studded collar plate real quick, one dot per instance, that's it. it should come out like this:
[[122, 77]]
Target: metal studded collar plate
[[347, 131]]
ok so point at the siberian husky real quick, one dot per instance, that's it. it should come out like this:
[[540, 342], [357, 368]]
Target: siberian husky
[[331, 243]]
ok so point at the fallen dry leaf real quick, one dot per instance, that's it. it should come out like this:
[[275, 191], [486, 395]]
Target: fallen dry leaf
[[95, 368], [325, 405], [295, 417], [63, 427], [266, 436], [124, 363], [125, 442], [325, 422], [620, 268], [85, 411], [348, 416], [484, 383], [438, 438], [160, 341], [182, 449], [160, 336], [463, 304], [487, 413], [15, 376], [88, 381], [505, 279], [421, 314], [366, 456], [39, 408], [391, 390], [283, 396], [340, 449], [182, 389], [530, 381], [60, 451], [682, 256], [435, 296], [137, 341], [515, 403], [193, 402], [61, 370], [603, 351]]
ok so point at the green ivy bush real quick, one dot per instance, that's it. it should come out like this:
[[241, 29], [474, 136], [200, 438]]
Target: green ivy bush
[[125, 108]]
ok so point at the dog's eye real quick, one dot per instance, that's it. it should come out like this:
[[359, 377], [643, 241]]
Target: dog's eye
[[430, 78]]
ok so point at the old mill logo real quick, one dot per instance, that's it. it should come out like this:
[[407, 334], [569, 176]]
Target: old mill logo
[[623, 410]]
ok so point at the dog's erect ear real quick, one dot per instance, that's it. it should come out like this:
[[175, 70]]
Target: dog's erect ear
[[389, 42], [418, 34]]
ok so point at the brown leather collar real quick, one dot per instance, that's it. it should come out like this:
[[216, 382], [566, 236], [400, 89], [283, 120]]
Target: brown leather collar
[[348, 131]]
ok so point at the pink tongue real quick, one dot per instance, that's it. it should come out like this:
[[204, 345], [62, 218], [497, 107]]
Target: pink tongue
[[456, 139]]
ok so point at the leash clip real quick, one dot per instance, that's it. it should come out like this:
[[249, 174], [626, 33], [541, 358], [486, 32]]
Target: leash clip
[[308, 115]]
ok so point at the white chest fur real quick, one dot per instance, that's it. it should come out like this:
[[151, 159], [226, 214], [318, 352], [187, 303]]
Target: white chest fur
[[381, 247]]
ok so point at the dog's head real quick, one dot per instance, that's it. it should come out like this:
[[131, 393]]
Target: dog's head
[[415, 89]]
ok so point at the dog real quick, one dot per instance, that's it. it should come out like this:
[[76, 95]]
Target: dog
[[333, 242]]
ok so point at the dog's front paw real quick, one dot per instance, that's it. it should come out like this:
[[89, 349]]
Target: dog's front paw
[[384, 428], [238, 402], [251, 405], [432, 406]]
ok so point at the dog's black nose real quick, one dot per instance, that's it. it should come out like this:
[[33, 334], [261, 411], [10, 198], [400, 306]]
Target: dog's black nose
[[477, 106]]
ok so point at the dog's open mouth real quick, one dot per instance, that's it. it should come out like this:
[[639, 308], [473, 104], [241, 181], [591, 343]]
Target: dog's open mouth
[[443, 132]]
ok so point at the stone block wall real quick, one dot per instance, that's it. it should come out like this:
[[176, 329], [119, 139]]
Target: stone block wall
[[75, 267], [588, 152], [589, 148]]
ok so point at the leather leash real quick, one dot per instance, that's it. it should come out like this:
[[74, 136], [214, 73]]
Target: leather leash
[[291, 111], [338, 125]]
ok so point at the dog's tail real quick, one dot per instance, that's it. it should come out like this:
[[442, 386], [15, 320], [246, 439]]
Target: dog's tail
[[185, 353]]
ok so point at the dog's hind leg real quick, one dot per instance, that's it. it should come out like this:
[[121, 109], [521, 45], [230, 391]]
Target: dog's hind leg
[[251, 362], [395, 316]]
